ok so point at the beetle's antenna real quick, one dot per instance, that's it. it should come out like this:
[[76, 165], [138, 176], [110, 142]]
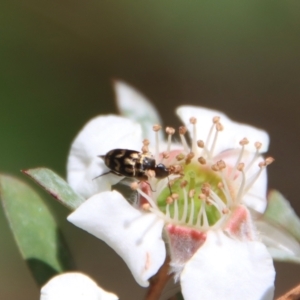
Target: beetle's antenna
[[102, 174]]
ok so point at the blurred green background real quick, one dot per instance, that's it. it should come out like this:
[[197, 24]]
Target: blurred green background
[[57, 59]]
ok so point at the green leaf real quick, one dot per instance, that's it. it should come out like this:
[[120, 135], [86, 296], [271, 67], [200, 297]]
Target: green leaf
[[35, 230], [280, 213], [135, 106], [281, 245], [55, 186]]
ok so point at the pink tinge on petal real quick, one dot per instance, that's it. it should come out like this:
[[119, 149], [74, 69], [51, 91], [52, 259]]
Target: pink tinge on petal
[[240, 225], [184, 242]]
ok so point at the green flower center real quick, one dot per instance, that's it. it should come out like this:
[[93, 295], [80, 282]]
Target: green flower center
[[188, 196]]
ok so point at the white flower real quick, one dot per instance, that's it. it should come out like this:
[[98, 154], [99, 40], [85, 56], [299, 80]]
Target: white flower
[[205, 219], [74, 286]]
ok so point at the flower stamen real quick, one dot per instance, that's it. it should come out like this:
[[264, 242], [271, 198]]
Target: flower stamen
[[185, 205], [148, 198], [243, 142], [176, 210], [156, 129], [199, 198], [240, 168], [191, 196], [219, 127], [257, 145], [193, 121], [170, 131], [262, 165], [225, 189], [202, 160], [214, 121], [182, 132], [189, 158], [145, 148]]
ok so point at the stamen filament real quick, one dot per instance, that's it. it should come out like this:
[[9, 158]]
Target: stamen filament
[[156, 145], [226, 189], [255, 157], [168, 216], [190, 222], [200, 213], [175, 217], [211, 151], [252, 180], [206, 151], [237, 162], [215, 205], [194, 141], [169, 143], [209, 135], [242, 186], [205, 220], [217, 199], [148, 198], [184, 143], [160, 214], [220, 222], [185, 206]]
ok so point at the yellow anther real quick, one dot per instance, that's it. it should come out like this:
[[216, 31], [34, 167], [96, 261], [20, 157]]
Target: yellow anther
[[257, 145], [240, 166], [200, 144], [182, 130], [180, 156], [170, 130], [193, 120], [219, 127], [216, 119], [202, 160], [244, 142], [156, 127]]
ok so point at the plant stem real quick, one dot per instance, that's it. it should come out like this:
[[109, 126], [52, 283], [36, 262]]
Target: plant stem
[[293, 294], [159, 281]]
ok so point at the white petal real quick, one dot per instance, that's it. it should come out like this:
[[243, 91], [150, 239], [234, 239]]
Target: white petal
[[74, 286], [233, 132], [97, 137], [135, 106], [224, 268], [134, 235], [281, 245]]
